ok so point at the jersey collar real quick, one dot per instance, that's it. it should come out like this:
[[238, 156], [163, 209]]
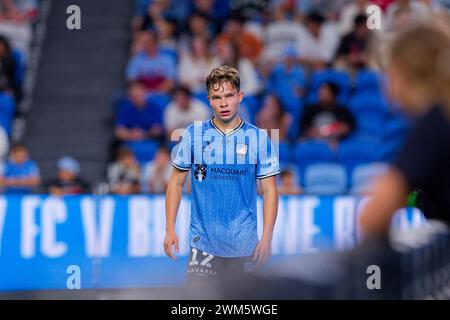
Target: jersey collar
[[229, 133]]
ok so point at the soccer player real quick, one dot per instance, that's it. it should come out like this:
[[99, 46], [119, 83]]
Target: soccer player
[[226, 156]]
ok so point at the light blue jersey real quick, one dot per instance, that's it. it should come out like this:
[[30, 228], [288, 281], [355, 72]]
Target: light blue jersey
[[224, 169]]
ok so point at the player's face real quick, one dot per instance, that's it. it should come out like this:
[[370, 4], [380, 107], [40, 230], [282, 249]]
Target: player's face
[[224, 100]]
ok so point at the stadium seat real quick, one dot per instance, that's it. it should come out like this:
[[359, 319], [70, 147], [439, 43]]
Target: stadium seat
[[358, 150], [285, 152], [144, 151], [363, 176], [370, 112], [7, 109], [326, 178], [368, 81], [311, 151], [342, 79]]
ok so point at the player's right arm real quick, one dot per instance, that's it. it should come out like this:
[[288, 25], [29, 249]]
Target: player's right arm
[[173, 198]]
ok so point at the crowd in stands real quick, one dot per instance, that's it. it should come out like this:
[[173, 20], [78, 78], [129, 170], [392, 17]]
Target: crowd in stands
[[306, 69]]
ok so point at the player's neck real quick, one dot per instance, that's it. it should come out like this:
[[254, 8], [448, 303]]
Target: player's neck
[[227, 126]]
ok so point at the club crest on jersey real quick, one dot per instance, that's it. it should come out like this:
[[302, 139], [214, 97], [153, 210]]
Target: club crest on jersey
[[241, 149], [200, 172]]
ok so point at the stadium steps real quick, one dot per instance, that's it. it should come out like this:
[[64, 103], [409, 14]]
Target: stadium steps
[[77, 77]]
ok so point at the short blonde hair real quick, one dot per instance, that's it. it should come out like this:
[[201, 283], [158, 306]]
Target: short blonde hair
[[422, 53], [223, 74]]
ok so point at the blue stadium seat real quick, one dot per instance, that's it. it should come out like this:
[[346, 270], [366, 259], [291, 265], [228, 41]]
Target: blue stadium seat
[[326, 178], [342, 79], [7, 109], [159, 99], [358, 150], [311, 151], [364, 175], [368, 81], [370, 112], [144, 151], [285, 154]]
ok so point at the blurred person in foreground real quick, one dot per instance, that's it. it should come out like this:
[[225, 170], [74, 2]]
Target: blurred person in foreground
[[223, 235], [68, 180], [21, 174], [419, 79]]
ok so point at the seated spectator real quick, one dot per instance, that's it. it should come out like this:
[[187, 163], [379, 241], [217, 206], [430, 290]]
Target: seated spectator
[[279, 34], [273, 116], [288, 185], [137, 118], [8, 70], [123, 175], [15, 22], [21, 174], [349, 13], [156, 70], [317, 42], [352, 51], [228, 54], [183, 110], [327, 120], [195, 65], [156, 173], [287, 79], [249, 46], [67, 180]]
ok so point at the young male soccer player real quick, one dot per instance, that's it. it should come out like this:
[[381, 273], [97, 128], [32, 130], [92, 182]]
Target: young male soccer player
[[226, 156]]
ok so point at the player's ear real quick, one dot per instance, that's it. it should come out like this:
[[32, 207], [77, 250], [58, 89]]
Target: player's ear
[[241, 96]]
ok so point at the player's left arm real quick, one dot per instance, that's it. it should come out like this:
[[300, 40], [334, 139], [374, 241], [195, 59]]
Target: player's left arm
[[270, 204]]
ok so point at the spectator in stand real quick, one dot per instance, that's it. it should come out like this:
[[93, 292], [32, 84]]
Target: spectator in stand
[[327, 120], [123, 175], [199, 25], [183, 110], [8, 70], [288, 185], [156, 173], [228, 54], [249, 46], [68, 180], [317, 42], [273, 116], [287, 79], [138, 119], [156, 70], [279, 34], [349, 13], [215, 11], [16, 17], [352, 51], [195, 65], [21, 174]]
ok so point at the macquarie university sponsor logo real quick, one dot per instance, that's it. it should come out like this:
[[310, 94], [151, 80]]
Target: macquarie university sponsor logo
[[210, 146], [200, 172]]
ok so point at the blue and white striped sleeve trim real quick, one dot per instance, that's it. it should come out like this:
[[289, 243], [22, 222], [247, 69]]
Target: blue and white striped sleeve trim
[[268, 175], [181, 168]]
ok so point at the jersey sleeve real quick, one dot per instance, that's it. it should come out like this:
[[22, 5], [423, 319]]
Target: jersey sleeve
[[267, 164], [182, 152]]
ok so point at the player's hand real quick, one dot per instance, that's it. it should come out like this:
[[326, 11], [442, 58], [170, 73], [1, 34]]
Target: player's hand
[[170, 240], [262, 253]]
